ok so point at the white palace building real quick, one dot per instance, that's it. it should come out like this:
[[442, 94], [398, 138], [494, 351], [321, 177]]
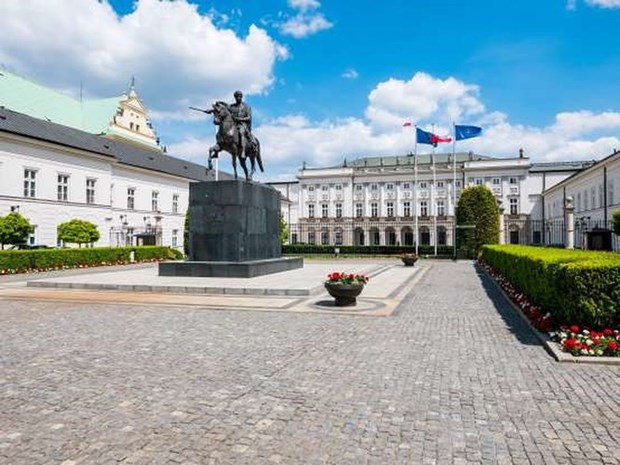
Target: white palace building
[[97, 160], [375, 201]]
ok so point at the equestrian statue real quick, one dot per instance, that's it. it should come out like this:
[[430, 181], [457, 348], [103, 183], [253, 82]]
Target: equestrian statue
[[234, 135]]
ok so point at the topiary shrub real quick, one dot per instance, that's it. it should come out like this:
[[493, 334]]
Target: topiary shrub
[[477, 206], [575, 286], [78, 231], [14, 229]]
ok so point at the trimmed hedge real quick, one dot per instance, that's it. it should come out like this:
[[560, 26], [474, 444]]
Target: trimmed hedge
[[447, 250], [20, 261], [575, 286]]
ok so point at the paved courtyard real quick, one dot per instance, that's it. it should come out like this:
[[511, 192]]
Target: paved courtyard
[[453, 376]]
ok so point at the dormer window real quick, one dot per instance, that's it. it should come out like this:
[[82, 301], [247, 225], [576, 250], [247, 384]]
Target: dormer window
[[131, 125]]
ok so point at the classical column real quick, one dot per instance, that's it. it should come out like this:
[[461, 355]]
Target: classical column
[[569, 222], [502, 222]]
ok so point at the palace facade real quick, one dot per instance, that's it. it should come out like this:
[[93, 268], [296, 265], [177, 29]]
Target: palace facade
[[377, 201]]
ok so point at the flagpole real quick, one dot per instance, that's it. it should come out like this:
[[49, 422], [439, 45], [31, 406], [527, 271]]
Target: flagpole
[[415, 187], [454, 187], [433, 199]]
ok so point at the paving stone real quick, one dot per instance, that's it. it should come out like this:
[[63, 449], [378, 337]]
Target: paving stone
[[453, 376]]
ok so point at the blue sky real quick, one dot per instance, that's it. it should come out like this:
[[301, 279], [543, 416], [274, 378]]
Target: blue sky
[[332, 79]]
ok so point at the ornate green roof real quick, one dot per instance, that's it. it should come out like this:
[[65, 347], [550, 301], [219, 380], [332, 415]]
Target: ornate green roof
[[24, 96]]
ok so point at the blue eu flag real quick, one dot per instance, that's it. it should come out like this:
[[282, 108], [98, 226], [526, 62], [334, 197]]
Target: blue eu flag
[[466, 132]]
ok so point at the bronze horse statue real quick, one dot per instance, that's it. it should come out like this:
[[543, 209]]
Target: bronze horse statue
[[227, 140]]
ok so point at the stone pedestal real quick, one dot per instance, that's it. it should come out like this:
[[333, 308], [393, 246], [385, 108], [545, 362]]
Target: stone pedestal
[[234, 232]]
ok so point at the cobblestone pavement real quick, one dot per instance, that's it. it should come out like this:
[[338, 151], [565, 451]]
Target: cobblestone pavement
[[453, 377]]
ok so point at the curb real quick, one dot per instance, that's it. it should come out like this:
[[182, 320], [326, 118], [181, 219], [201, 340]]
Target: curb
[[551, 346]]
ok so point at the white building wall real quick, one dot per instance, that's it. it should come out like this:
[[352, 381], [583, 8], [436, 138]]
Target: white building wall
[[109, 210]]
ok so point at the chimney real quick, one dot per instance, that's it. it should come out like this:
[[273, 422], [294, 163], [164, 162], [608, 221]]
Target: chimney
[[470, 155], [521, 153]]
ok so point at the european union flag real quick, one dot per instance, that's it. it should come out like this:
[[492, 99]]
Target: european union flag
[[466, 132]]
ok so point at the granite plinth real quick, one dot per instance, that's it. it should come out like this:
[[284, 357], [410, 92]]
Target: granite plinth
[[233, 221], [247, 269]]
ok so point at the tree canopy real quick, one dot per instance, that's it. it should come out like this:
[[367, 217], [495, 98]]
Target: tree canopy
[[78, 231], [14, 229]]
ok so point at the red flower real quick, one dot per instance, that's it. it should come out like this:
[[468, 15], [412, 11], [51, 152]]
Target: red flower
[[574, 328], [612, 345], [607, 332], [571, 343]]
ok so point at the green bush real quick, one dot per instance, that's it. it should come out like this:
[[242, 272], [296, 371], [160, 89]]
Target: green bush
[[19, 261], [615, 221], [77, 231], [477, 206], [300, 249], [575, 286]]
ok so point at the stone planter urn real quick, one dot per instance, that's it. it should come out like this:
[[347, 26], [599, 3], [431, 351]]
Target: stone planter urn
[[409, 260], [345, 294]]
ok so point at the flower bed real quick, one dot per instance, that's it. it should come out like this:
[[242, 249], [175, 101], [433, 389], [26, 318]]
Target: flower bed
[[582, 341], [573, 339]]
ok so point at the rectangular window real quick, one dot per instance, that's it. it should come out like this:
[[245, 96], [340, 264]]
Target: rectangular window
[[131, 198], [338, 187], [90, 191], [439, 184], [175, 203], [155, 201], [423, 185], [424, 208], [601, 198], [32, 237], [359, 210], [175, 238], [311, 188], [610, 192], [374, 209], [374, 187], [497, 181], [389, 186], [593, 197], [324, 210], [458, 183], [441, 208], [407, 209], [406, 185], [30, 183], [390, 209], [513, 180], [514, 206], [358, 187], [324, 188], [585, 200], [479, 181], [63, 187], [311, 210], [338, 210]]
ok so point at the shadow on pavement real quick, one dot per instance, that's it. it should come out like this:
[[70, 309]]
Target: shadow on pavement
[[513, 321]]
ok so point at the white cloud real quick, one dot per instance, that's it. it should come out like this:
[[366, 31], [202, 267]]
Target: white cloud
[[571, 5], [304, 4], [604, 3], [292, 139], [423, 97], [350, 74], [179, 56], [303, 25]]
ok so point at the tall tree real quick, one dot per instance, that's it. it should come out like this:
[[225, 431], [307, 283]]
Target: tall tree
[[477, 207], [14, 229], [78, 231]]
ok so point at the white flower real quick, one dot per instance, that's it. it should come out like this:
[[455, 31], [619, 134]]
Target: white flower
[[589, 342], [585, 331]]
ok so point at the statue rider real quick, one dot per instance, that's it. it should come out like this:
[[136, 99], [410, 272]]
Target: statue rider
[[242, 114]]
